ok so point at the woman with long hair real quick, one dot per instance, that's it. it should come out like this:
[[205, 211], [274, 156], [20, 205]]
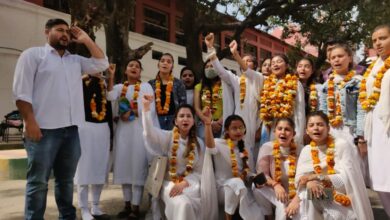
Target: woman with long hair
[[245, 90], [339, 98], [187, 76], [277, 160], [169, 91], [330, 183], [232, 173], [282, 96], [180, 191], [208, 94], [130, 159]]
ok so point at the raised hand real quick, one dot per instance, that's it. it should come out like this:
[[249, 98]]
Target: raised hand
[[146, 101], [233, 47], [206, 115], [209, 40], [111, 70], [79, 36]]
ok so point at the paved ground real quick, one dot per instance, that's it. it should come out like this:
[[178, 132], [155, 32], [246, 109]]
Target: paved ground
[[12, 201]]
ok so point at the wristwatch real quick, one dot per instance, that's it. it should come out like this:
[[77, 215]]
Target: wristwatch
[[320, 177]]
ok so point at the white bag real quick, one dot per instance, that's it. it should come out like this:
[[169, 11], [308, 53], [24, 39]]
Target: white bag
[[156, 175]]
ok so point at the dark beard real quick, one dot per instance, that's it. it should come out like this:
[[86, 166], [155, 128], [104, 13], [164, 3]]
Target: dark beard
[[59, 46]]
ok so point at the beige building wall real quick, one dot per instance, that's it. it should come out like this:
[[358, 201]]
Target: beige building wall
[[22, 26]]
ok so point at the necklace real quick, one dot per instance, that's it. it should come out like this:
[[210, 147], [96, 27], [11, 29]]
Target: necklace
[[209, 100], [277, 154], [244, 156], [313, 98], [333, 99], [102, 114], [163, 110], [242, 89], [173, 159], [368, 103], [338, 197]]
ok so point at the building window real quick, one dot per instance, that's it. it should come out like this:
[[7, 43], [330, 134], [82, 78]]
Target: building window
[[179, 31], [156, 24], [264, 54], [156, 55], [250, 49], [58, 5], [182, 61]]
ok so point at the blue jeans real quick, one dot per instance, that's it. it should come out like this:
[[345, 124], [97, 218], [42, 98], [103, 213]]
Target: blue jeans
[[166, 121], [59, 149]]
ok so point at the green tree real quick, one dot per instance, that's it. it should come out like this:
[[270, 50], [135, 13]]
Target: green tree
[[199, 17], [346, 21]]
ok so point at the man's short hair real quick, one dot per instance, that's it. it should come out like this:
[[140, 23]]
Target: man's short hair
[[55, 21], [382, 26]]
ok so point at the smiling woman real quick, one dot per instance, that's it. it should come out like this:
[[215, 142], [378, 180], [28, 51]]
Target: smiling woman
[[181, 187]]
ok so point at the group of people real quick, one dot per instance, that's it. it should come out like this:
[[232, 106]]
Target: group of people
[[272, 143]]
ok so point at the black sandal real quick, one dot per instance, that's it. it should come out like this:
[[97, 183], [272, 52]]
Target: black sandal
[[124, 213], [133, 215]]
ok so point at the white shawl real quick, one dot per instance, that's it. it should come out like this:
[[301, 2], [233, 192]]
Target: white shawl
[[346, 159], [383, 105]]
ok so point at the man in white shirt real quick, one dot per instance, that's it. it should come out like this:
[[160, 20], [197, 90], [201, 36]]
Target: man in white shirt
[[48, 92]]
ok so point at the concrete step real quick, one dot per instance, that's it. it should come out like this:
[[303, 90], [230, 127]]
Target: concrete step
[[13, 164], [11, 145]]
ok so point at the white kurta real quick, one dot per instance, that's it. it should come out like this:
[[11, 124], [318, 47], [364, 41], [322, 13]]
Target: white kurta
[[348, 180], [232, 190], [187, 205], [266, 164], [377, 132], [250, 107], [130, 157], [93, 166]]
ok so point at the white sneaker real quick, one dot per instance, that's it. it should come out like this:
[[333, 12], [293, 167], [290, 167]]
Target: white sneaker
[[86, 215]]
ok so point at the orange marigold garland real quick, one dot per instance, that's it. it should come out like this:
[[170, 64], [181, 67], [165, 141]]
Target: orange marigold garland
[[102, 114], [163, 110], [338, 197], [368, 103], [333, 99], [209, 100], [277, 98], [173, 158], [291, 167], [313, 98], [244, 156], [133, 104], [242, 89]]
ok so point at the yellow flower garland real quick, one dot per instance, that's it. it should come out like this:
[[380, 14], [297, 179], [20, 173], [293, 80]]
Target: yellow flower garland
[[242, 89], [102, 114], [233, 159], [277, 98], [160, 109], [173, 158], [207, 98], [368, 103], [137, 88], [291, 167], [313, 98], [338, 197], [333, 99]]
